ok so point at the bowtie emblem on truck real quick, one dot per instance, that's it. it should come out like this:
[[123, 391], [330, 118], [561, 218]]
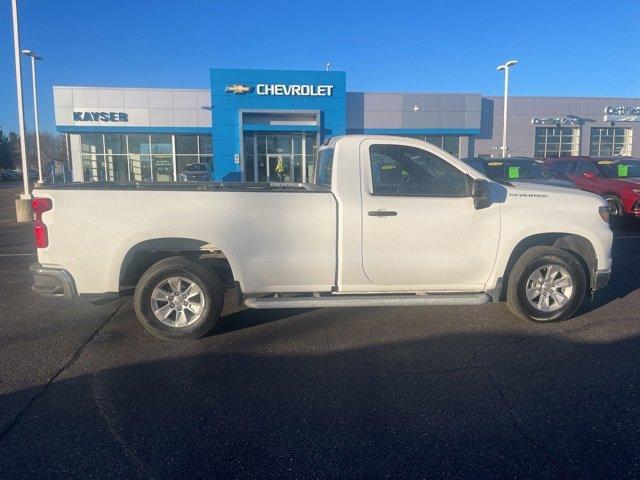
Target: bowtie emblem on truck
[[237, 89]]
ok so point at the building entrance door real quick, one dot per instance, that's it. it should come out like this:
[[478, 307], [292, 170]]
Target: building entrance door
[[261, 151], [280, 168]]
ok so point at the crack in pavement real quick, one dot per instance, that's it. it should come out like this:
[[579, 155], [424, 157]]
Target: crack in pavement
[[516, 424], [69, 363], [100, 397]]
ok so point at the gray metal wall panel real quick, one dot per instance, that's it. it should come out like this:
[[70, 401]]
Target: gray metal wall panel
[[418, 111], [521, 132]]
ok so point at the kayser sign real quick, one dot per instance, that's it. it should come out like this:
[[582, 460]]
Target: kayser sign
[[100, 117]]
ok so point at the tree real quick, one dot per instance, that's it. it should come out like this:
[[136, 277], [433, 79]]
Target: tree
[[8, 151], [52, 147]]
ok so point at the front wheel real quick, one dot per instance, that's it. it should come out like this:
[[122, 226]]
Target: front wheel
[[178, 299], [546, 284], [614, 205]]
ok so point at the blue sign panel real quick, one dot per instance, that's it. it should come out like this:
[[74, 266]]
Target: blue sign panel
[[234, 91]]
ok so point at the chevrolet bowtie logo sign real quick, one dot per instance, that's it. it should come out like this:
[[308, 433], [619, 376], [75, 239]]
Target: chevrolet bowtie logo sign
[[237, 89]]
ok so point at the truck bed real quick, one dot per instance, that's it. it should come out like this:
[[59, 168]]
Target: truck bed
[[274, 238]]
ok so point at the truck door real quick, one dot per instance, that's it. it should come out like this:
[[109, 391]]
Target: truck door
[[419, 224]]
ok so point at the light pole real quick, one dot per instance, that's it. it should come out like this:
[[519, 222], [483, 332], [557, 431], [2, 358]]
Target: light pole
[[23, 145], [505, 67], [34, 57]]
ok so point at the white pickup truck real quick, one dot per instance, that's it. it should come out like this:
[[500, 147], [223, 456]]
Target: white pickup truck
[[386, 221]]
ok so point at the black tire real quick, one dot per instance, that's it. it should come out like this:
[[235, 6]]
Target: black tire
[[209, 284], [537, 258], [614, 205]]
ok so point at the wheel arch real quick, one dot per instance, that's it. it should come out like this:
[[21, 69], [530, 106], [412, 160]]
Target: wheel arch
[[143, 254], [575, 244]]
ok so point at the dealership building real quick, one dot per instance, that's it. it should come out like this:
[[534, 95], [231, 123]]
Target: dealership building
[[248, 121]]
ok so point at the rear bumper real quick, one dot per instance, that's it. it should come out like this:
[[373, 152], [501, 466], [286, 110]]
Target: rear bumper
[[52, 282], [601, 279]]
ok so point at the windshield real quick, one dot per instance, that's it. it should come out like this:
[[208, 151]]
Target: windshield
[[619, 169], [197, 167], [514, 169]]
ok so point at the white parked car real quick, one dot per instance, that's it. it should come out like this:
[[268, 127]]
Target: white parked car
[[387, 221]]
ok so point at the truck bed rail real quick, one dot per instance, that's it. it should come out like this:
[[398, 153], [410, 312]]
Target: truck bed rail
[[186, 186]]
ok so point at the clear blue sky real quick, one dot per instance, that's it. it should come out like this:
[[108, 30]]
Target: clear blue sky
[[585, 48]]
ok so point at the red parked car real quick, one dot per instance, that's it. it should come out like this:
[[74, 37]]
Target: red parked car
[[616, 179]]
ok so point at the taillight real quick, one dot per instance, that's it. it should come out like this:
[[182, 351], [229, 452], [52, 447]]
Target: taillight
[[39, 206]]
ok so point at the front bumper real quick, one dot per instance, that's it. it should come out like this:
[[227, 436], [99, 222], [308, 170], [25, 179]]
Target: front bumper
[[52, 282], [600, 279]]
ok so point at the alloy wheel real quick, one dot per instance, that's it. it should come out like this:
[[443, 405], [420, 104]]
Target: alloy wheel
[[177, 302], [549, 288]]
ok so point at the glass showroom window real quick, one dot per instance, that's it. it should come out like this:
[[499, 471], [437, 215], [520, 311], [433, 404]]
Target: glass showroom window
[[162, 157], [449, 143], [139, 157], [92, 157], [610, 141], [556, 142], [205, 151], [117, 166], [192, 149]]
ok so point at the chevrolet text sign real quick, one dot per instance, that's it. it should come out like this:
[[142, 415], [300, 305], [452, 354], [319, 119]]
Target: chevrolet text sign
[[622, 114], [294, 90]]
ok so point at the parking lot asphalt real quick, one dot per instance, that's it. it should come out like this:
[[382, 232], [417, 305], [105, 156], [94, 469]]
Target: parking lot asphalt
[[467, 392]]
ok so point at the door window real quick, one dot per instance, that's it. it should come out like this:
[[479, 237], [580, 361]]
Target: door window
[[584, 167], [565, 168], [401, 170]]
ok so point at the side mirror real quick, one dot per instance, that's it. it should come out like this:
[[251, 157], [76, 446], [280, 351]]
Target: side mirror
[[589, 175], [480, 193]]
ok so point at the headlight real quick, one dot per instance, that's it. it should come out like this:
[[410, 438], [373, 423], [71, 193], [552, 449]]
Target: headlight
[[636, 190], [604, 213]]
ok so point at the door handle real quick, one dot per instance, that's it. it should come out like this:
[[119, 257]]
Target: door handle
[[382, 213]]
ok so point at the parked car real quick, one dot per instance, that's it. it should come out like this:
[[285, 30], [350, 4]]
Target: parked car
[[519, 169], [387, 221], [4, 176], [196, 172], [616, 179], [11, 175]]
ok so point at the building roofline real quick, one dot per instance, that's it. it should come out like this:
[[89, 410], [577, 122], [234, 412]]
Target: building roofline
[[85, 87], [417, 93], [566, 97]]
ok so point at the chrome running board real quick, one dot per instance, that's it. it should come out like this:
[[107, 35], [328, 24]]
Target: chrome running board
[[368, 301]]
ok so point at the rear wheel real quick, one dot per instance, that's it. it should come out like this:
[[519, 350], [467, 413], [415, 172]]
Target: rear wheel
[[546, 284], [178, 299]]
